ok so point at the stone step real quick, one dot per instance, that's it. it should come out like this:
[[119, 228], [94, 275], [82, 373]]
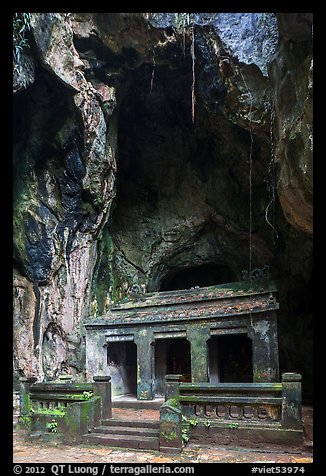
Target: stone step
[[308, 445], [138, 404], [126, 430], [123, 441], [131, 423]]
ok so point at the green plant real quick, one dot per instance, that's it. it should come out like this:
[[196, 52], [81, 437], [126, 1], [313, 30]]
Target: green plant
[[193, 422], [87, 395], [189, 422], [21, 24], [233, 425], [185, 436], [52, 427], [207, 424]]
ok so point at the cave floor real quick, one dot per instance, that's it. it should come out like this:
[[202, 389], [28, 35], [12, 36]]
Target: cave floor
[[25, 451]]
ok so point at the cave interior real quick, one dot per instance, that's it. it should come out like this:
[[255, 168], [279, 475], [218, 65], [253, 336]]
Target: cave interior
[[188, 189]]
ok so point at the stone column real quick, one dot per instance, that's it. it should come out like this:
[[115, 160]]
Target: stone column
[[291, 401], [96, 353], [24, 419], [144, 339], [263, 332], [160, 366], [198, 336], [102, 388], [170, 429], [172, 382]]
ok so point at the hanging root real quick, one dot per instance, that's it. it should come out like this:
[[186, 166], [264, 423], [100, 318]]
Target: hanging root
[[193, 97], [184, 40], [153, 73], [250, 173], [266, 217], [271, 176]]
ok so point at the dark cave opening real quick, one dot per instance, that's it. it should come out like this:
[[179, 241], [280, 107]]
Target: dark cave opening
[[198, 276], [170, 170]]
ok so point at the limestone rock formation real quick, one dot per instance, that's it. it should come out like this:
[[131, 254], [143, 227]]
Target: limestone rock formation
[[146, 144]]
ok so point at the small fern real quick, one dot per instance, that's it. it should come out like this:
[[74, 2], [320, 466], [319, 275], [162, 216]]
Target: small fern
[[52, 427], [87, 395], [21, 25]]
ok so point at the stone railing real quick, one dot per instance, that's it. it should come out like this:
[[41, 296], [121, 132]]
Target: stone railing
[[63, 408], [260, 412], [254, 402]]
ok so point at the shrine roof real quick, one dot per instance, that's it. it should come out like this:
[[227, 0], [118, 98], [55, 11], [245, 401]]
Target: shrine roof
[[220, 291], [230, 299]]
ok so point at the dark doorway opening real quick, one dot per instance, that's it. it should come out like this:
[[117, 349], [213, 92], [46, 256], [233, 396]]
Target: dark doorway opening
[[204, 275], [122, 367], [230, 358], [172, 356]]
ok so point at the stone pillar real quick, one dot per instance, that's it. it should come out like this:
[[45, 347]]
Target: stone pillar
[[172, 382], [24, 419], [170, 429], [102, 388], [144, 340], [198, 336], [96, 353], [291, 401], [263, 332], [160, 366], [214, 364]]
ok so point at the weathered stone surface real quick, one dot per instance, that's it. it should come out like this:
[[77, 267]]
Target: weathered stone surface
[[171, 426], [62, 199], [53, 37], [25, 361], [252, 38], [292, 75]]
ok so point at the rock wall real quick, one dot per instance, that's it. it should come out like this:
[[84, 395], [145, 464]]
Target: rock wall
[[140, 141], [64, 168], [292, 77]]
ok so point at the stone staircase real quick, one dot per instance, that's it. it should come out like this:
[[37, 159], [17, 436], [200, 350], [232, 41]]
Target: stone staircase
[[134, 424], [125, 434]]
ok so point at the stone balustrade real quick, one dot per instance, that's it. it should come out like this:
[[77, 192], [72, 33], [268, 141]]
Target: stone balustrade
[[64, 408], [241, 413]]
